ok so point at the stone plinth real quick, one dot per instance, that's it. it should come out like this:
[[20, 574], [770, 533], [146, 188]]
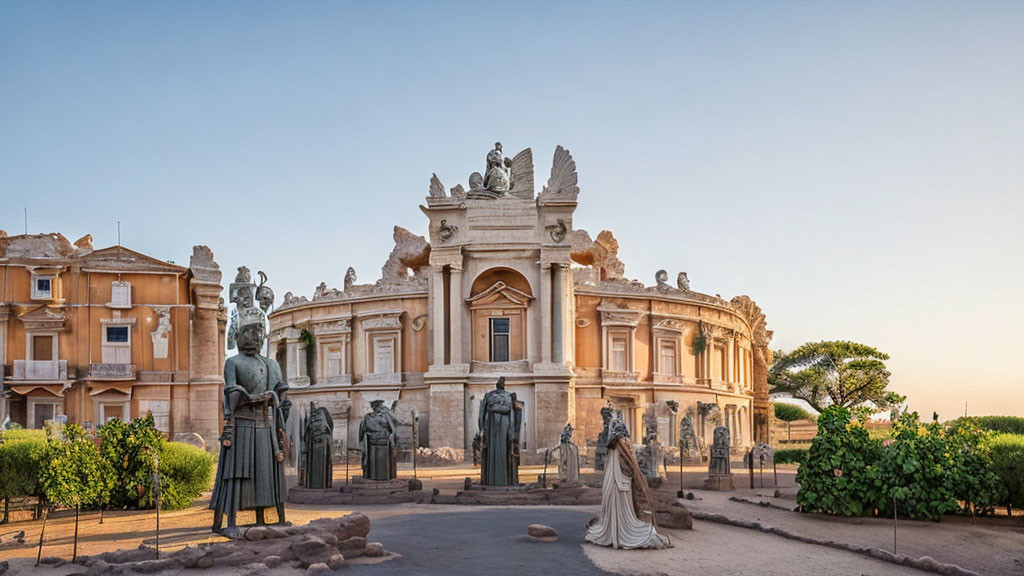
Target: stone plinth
[[360, 491], [722, 482]]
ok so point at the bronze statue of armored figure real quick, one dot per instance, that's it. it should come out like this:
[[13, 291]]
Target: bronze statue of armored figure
[[501, 417], [378, 436], [250, 471], [317, 440]]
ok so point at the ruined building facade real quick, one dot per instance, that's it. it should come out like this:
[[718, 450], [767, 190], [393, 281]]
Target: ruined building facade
[[507, 286], [95, 334]]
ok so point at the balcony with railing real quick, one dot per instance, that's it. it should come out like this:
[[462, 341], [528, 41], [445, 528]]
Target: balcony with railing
[[105, 371], [40, 370]]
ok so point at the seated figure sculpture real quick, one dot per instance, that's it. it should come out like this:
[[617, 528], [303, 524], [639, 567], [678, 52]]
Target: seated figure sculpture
[[378, 434], [624, 492]]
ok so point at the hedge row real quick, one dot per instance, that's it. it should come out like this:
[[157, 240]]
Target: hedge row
[[790, 455], [1007, 424], [114, 470], [924, 471]]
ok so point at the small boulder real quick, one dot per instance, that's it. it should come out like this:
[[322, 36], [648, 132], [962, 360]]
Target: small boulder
[[312, 550], [4, 566], [52, 561], [254, 569], [542, 533], [415, 484], [374, 550], [257, 533], [273, 561], [318, 568], [676, 516], [354, 547], [353, 525], [336, 562]]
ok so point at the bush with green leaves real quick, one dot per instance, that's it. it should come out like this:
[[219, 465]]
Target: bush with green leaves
[[22, 455], [1007, 454], [185, 473], [975, 482], [835, 476], [917, 470], [75, 473], [131, 448], [790, 455], [1007, 424]]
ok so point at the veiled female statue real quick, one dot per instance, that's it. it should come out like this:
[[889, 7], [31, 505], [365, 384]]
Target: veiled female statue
[[624, 493], [568, 457], [250, 472], [499, 437], [378, 434], [317, 442]]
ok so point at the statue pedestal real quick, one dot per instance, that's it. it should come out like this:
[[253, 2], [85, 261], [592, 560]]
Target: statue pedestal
[[362, 491], [721, 482]]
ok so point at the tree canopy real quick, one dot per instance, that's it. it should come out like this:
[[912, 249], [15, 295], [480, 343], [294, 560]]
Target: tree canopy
[[791, 412], [835, 373]]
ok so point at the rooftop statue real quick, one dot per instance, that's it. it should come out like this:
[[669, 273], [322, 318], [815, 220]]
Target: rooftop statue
[[498, 176], [250, 471]]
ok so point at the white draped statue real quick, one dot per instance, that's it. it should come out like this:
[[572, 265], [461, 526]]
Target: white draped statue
[[619, 525]]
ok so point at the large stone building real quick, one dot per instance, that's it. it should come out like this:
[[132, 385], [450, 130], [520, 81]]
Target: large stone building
[[506, 286], [109, 333]]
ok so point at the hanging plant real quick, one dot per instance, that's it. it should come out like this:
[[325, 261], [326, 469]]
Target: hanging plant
[[306, 337], [700, 342]]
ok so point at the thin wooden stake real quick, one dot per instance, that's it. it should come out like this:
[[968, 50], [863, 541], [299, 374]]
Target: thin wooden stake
[[42, 532], [74, 552]]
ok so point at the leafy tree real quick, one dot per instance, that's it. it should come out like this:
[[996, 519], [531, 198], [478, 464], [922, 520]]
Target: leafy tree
[[973, 478], [790, 413], [22, 454], [838, 373], [130, 447], [917, 470], [75, 474], [835, 476], [1007, 452]]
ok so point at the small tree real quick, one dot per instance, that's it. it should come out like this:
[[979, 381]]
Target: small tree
[[22, 454], [835, 373], [129, 447], [76, 475], [835, 476], [790, 413]]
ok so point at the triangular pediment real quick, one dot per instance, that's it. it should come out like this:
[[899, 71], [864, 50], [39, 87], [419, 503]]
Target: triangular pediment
[[500, 294], [121, 258], [42, 318]]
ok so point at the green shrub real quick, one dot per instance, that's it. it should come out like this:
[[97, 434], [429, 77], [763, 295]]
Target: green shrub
[[916, 469], [790, 455], [973, 477], [185, 473], [1007, 454], [834, 477], [75, 473], [130, 447], [22, 455], [1007, 424]]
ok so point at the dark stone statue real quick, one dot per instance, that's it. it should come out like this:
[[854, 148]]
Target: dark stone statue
[[601, 452], [378, 434], [250, 472], [317, 448], [719, 464], [500, 419], [568, 458]]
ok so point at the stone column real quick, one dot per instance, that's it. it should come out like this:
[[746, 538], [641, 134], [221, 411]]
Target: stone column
[[558, 315], [4, 312], [455, 305], [437, 314], [544, 305], [206, 372], [731, 376]]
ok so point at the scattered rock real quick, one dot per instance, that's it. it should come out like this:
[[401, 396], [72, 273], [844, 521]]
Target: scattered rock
[[272, 561], [353, 547], [154, 566], [542, 533], [257, 533], [318, 568], [4, 566], [255, 568], [676, 516], [353, 525], [52, 561], [312, 550], [373, 550], [415, 484], [336, 562]]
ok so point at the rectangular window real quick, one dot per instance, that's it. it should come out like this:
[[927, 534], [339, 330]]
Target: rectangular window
[[117, 334], [667, 354], [500, 337], [383, 355], [42, 347], [619, 354], [42, 287]]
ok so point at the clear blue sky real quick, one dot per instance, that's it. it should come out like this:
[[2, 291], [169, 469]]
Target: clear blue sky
[[854, 167]]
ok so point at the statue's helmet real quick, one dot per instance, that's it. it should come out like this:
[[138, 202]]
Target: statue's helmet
[[376, 403], [617, 429]]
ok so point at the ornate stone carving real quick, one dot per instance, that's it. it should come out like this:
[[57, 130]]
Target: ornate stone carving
[[661, 280], [411, 252], [436, 188], [498, 177], [522, 175], [683, 282], [446, 231], [458, 191], [419, 322], [84, 243], [203, 266], [350, 278], [558, 231], [582, 322], [382, 321], [264, 295], [750, 311], [161, 334], [562, 185], [601, 253]]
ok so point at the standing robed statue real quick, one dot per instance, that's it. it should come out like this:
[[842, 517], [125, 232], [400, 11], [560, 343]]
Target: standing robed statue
[[317, 438], [378, 436], [250, 471], [500, 420]]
